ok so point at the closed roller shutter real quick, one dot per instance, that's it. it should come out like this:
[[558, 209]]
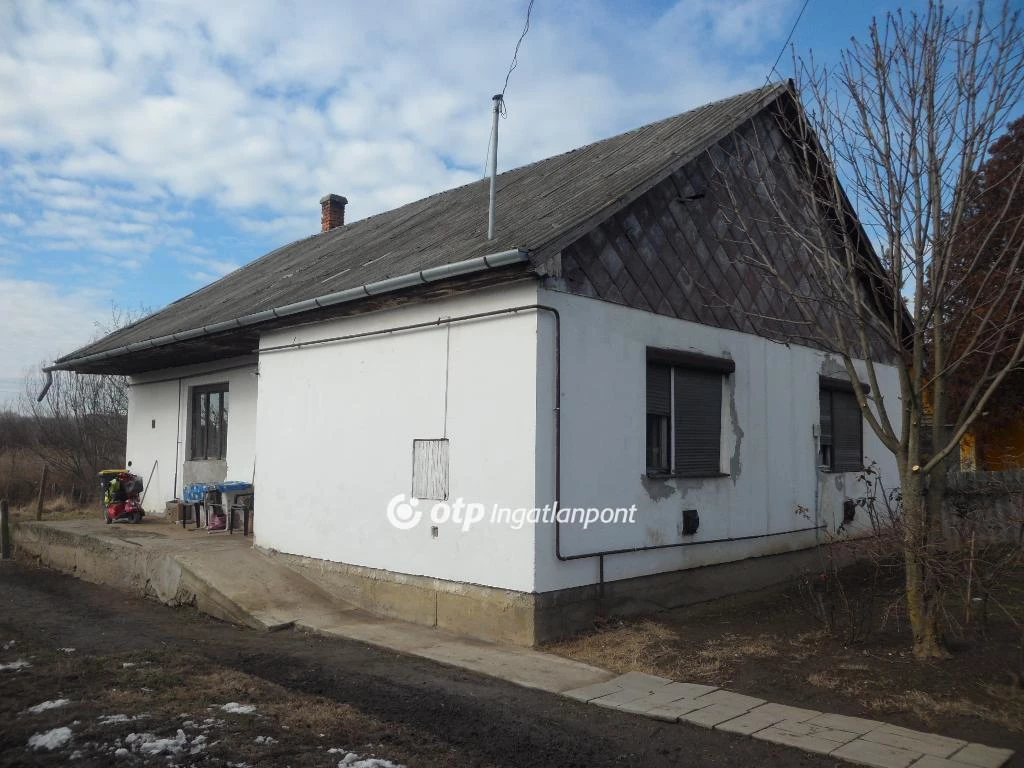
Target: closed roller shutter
[[698, 422]]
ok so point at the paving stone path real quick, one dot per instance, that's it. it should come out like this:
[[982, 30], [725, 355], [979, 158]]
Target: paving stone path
[[867, 742]]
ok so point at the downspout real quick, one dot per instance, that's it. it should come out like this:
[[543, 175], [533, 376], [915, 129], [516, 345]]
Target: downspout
[[46, 385]]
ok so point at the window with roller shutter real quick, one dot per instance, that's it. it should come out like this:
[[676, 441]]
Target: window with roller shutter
[[684, 413], [841, 432]]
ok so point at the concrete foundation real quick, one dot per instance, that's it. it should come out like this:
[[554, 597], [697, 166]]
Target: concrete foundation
[[225, 577], [522, 618]]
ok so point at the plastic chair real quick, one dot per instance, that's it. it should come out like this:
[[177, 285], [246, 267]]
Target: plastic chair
[[244, 504]]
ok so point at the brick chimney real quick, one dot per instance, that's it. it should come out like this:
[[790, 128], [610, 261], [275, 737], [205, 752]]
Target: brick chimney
[[332, 212]]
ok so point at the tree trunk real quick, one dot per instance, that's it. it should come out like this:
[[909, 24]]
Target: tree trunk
[[923, 594]]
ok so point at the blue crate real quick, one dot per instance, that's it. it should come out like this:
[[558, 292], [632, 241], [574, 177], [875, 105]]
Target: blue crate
[[234, 486], [196, 492]]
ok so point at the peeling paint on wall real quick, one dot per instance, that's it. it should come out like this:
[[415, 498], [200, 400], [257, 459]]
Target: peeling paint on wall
[[833, 369], [655, 537], [657, 488], [735, 465]]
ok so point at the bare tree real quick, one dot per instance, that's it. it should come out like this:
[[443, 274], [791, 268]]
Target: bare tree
[[79, 427], [904, 122]]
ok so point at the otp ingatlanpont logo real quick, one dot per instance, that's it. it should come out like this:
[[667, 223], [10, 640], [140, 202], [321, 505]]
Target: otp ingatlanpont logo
[[403, 514]]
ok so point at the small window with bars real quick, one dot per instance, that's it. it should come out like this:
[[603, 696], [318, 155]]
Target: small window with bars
[[684, 413], [841, 434]]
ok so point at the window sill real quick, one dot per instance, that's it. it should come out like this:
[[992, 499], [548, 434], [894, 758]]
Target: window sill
[[828, 471], [679, 476]]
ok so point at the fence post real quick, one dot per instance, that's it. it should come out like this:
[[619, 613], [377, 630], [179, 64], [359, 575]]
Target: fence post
[[42, 492], [5, 531]]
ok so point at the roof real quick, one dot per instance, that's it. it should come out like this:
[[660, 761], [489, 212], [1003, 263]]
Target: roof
[[540, 207]]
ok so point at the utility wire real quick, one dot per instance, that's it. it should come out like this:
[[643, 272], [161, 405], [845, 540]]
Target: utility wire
[[515, 63], [515, 55], [788, 38]]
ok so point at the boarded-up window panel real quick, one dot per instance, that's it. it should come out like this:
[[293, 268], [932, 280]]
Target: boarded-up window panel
[[847, 433], [430, 469], [698, 422]]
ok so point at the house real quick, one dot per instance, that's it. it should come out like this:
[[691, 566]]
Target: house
[[601, 409]]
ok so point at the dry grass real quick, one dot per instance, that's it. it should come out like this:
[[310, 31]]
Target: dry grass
[[623, 647], [20, 472], [1009, 714], [649, 646], [762, 645], [830, 681], [60, 507]]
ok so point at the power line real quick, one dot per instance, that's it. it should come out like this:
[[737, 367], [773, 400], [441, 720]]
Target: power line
[[515, 55], [511, 68], [788, 38]]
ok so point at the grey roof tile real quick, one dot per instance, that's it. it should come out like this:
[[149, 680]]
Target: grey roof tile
[[541, 207]]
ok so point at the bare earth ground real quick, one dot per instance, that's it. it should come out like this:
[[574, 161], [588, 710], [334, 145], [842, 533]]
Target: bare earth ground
[[310, 694], [768, 644]]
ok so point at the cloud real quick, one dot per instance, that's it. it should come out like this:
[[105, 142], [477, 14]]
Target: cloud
[[265, 107], [42, 322], [165, 142]]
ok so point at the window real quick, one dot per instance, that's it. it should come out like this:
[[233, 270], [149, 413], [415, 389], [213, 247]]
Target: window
[[209, 421], [841, 438], [684, 413]]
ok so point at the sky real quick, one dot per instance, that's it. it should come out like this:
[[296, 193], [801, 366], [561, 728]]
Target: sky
[[149, 148]]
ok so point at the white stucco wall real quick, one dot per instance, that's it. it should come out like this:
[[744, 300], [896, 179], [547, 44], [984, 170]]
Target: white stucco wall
[[158, 424], [771, 411], [329, 439], [337, 423]]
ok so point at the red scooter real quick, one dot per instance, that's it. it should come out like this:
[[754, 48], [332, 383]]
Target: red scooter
[[121, 491]]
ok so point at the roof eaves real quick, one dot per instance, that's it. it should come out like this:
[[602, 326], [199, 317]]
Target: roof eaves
[[389, 285]]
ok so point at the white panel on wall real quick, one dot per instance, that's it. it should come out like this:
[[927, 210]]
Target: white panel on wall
[[430, 469]]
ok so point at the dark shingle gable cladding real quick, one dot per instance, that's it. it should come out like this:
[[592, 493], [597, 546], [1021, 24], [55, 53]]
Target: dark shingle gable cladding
[[541, 209]]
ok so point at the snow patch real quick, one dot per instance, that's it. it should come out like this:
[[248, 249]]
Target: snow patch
[[14, 665], [10, 644], [352, 760], [151, 745], [239, 709], [38, 709], [268, 740], [66, 650], [50, 740], [115, 719]]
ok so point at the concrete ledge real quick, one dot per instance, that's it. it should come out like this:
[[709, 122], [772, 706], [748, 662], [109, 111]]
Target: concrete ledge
[[525, 618], [180, 567], [487, 613], [120, 563]]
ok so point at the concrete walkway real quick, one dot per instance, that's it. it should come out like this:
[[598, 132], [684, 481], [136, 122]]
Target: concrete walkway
[[867, 742], [224, 576]]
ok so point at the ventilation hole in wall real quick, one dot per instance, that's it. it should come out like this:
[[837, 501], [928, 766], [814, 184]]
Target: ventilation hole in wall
[[430, 469]]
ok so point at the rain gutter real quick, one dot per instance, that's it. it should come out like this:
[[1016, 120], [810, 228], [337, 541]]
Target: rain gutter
[[391, 284]]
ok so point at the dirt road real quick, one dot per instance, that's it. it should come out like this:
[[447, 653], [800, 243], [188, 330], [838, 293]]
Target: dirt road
[[102, 650]]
